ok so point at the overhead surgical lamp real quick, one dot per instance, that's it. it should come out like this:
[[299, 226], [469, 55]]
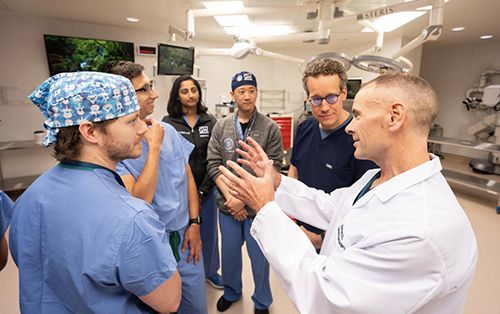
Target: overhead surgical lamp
[[381, 65], [396, 64], [365, 61]]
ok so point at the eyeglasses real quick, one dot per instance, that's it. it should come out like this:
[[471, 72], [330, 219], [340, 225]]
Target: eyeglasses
[[148, 88], [317, 101]]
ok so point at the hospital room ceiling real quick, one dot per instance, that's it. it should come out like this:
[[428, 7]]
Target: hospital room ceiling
[[478, 17]]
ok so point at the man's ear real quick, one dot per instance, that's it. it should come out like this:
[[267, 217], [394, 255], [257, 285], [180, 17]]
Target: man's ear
[[397, 115], [343, 93], [88, 132]]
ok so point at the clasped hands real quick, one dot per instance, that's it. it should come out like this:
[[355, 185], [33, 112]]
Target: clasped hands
[[253, 190]]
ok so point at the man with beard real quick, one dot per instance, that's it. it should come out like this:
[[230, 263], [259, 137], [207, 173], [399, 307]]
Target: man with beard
[[82, 243]]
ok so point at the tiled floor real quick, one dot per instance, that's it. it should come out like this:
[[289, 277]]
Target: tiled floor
[[483, 296]]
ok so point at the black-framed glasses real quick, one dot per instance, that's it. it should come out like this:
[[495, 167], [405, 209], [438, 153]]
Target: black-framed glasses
[[148, 88], [330, 99]]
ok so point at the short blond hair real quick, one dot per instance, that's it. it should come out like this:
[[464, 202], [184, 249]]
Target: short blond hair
[[415, 92]]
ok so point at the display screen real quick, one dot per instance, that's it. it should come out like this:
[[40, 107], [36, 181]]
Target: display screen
[[353, 86], [71, 54], [175, 60]]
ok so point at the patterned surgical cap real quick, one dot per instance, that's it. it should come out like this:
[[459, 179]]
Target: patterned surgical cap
[[68, 99]]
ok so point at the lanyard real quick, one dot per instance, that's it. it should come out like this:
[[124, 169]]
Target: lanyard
[[367, 187], [87, 166], [239, 130]]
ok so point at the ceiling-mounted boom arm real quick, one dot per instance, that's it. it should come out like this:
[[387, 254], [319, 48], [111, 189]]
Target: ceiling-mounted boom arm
[[431, 32], [326, 22]]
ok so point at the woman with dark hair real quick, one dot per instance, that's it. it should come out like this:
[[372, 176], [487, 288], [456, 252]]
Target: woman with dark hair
[[190, 118]]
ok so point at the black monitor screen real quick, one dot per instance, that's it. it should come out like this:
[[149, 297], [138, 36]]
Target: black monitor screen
[[71, 54], [353, 86], [174, 60]]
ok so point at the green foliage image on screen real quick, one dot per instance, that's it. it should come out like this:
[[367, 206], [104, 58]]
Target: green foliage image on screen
[[174, 60], [71, 54]]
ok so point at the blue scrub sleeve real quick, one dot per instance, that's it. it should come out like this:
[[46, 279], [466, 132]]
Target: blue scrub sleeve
[[187, 148], [121, 169], [180, 143], [145, 259], [6, 206]]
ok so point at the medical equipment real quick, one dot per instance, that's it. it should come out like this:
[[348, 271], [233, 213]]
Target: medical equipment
[[331, 14], [486, 97]]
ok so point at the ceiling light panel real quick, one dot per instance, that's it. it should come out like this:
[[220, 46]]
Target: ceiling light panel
[[388, 23], [132, 19], [223, 5], [232, 20], [259, 30]]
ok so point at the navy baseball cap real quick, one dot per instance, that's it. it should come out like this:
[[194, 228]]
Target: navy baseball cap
[[243, 78]]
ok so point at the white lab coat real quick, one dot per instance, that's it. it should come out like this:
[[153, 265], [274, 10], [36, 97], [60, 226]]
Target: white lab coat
[[406, 246]]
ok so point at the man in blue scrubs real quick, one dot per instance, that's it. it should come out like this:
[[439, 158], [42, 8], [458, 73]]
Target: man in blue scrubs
[[82, 243], [323, 154], [162, 177], [5, 216]]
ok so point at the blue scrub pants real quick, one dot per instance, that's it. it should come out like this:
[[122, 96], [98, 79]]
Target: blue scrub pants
[[233, 234], [194, 299], [209, 234]]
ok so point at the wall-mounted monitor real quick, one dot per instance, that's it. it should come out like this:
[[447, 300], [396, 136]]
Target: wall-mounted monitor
[[71, 54], [175, 60], [353, 86]]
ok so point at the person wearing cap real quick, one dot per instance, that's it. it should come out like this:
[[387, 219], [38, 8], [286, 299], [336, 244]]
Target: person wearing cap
[[81, 242], [397, 240], [162, 177], [235, 218], [323, 155], [6, 206]]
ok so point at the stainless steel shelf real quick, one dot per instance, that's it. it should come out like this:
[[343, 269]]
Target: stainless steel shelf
[[475, 182], [483, 184], [18, 145], [18, 183], [489, 147]]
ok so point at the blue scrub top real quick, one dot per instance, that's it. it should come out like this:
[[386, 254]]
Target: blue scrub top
[[171, 198], [329, 163], [83, 244], [6, 206]]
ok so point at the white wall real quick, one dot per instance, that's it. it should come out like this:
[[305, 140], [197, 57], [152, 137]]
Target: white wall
[[24, 66], [452, 71]]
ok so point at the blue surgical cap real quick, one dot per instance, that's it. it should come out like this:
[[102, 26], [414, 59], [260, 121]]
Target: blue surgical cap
[[68, 99], [243, 78]]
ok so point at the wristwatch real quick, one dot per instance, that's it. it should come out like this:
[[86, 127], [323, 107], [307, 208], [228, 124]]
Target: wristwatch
[[196, 220]]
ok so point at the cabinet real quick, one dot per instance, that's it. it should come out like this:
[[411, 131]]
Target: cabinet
[[16, 183], [285, 122]]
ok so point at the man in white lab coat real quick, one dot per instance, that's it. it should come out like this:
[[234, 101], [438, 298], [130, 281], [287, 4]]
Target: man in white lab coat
[[397, 240]]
